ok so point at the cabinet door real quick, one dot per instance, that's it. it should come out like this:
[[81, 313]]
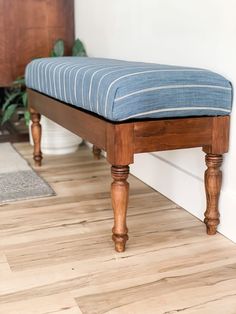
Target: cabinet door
[[28, 30], [5, 64]]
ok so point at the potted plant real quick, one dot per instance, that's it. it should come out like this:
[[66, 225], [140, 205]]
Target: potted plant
[[55, 139], [15, 98]]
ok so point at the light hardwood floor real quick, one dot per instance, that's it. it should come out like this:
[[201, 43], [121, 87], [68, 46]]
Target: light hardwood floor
[[57, 256]]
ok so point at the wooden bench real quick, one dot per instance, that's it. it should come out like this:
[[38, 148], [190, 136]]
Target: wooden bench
[[122, 139]]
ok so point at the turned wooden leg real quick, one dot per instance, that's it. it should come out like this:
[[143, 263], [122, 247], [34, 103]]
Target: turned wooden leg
[[213, 179], [120, 194], [96, 152], [36, 134]]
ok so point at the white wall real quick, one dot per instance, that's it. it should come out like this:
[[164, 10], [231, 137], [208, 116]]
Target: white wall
[[199, 33]]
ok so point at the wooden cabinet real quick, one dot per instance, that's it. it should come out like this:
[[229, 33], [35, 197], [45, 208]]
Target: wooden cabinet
[[28, 29]]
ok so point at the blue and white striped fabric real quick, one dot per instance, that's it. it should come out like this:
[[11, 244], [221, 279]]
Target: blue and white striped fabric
[[120, 90]]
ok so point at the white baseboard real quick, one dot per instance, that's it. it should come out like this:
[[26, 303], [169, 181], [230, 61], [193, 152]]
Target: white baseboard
[[228, 214], [185, 189]]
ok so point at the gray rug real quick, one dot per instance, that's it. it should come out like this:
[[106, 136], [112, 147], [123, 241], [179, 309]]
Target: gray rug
[[18, 181]]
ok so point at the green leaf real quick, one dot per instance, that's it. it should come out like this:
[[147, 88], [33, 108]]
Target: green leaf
[[58, 49], [78, 49], [52, 54], [8, 113], [7, 93], [19, 81], [24, 97], [27, 117], [10, 99]]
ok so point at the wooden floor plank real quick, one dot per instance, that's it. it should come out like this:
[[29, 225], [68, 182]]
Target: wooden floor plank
[[186, 291], [56, 304]]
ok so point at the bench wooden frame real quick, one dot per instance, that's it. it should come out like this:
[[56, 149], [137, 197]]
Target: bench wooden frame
[[121, 140]]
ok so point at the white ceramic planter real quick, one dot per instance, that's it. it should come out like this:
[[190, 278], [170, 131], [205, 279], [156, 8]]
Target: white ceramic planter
[[56, 140]]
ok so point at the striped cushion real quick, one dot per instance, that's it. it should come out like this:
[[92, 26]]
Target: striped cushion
[[121, 90]]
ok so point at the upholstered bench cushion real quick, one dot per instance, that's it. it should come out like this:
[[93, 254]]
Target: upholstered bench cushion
[[120, 90]]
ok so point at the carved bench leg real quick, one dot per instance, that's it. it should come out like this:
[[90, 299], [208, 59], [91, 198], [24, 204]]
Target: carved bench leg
[[120, 195], [36, 134], [96, 152], [213, 179]]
